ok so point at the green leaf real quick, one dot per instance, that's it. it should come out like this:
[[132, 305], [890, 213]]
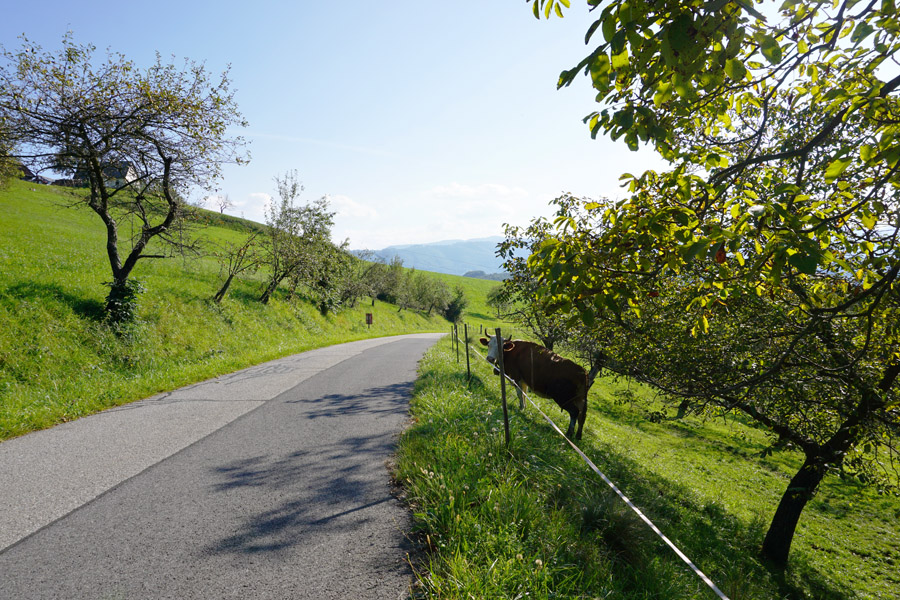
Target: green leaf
[[609, 27], [599, 70], [769, 47], [591, 30], [735, 69], [678, 33], [869, 220], [620, 60], [862, 31], [836, 168], [690, 251], [805, 263]]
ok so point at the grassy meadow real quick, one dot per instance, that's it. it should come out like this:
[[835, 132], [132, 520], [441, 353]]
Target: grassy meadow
[[531, 521], [534, 521], [58, 361]]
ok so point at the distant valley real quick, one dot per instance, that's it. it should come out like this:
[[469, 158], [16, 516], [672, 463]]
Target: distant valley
[[454, 257]]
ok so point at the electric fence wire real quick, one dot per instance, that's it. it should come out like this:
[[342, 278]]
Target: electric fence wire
[[703, 577]]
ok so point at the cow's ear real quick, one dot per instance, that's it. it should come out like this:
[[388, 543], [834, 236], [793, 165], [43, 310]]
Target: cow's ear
[[484, 341], [507, 346]]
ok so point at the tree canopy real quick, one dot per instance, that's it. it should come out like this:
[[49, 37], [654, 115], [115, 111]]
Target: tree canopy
[[759, 272], [139, 139]]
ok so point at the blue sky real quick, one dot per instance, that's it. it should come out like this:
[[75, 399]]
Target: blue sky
[[420, 120]]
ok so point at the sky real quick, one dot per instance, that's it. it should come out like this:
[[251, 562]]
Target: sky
[[420, 120]]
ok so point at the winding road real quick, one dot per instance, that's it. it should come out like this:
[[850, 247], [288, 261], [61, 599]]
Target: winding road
[[270, 482]]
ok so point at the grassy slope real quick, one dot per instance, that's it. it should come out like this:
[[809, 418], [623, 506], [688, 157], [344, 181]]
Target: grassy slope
[[58, 362], [486, 517], [702, 481]]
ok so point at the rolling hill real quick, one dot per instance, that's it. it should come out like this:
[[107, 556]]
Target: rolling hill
[[453, 257]]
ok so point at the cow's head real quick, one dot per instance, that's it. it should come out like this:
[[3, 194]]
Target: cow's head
[[492, 345]]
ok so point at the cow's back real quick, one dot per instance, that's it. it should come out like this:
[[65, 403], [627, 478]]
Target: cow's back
[[545, 372]]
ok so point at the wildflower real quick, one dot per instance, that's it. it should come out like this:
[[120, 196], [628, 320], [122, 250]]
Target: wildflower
[[538, 564], [519, 557]]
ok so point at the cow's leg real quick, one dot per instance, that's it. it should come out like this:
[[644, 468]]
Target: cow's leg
[[582, 415], [573, 418], [519, 392]]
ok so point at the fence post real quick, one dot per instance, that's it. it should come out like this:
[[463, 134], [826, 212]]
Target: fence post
[[456, 331], [502, 384], [466, 340]]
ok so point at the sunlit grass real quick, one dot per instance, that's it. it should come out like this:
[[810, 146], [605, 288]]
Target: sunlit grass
[[485, 515], [59, 361]]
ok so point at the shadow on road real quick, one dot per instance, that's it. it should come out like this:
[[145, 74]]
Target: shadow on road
[[390, 399], [325, 490]]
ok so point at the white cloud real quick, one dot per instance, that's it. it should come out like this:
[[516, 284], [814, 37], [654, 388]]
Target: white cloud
[[481, 191], [345, 206], [251, 206], [444, 212]]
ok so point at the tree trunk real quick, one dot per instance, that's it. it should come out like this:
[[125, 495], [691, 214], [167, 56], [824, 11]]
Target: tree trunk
[[224, 290], [801, 489], [267, 293]]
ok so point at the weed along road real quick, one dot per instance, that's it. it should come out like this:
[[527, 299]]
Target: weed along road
[[267, 483]]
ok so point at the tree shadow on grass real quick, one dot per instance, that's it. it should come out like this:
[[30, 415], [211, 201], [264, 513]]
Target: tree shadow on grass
[[723, 545], [87, 308]]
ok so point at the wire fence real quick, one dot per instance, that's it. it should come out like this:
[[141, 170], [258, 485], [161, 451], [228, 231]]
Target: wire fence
[[524, 396]]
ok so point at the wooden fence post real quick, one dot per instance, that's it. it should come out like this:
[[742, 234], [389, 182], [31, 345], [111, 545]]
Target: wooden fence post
[[502, 384], [466, 340]]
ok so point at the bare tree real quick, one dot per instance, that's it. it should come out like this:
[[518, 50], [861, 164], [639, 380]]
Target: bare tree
[[223, 203], [236, 259]]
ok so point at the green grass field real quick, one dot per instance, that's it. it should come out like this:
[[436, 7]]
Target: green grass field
[[58, 361], [531, 522], [535, 522]]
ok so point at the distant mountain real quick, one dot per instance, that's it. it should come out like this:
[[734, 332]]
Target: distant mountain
[[454, 257]]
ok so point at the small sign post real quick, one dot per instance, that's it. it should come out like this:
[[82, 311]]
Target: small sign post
[[369, 320]]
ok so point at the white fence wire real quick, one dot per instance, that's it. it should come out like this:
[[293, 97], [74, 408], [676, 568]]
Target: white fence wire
[[703, 577]]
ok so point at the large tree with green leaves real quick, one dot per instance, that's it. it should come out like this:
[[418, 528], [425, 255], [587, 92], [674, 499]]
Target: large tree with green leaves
[[139, 138], [760, 271]]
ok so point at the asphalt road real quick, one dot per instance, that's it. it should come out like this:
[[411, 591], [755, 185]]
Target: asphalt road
[[266, 483]]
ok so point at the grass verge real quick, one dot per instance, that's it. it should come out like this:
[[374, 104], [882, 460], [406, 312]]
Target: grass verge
[[532, 521]]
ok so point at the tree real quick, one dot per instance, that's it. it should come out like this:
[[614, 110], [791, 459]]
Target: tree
[[138, 138], [761, 270], [296, 236], [235, 259], [8, 165], [223, 203], [329, 277], [388, 280], [519, 292], [457, 304]]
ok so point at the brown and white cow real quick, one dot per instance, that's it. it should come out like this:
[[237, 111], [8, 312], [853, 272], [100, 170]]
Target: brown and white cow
[[532, 366]]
